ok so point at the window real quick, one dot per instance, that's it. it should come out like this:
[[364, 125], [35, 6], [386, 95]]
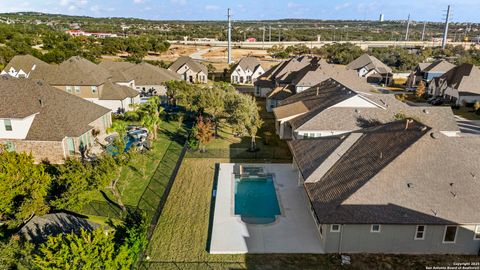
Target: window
[[9, 146], [375, 228], [476, 233], [69, 89], [335, 228], [77, 89], [94, 89], [8, 124], [450, 234], [420, 232], [312, 135]]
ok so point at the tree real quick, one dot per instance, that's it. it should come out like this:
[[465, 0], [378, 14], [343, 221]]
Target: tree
[[23, 188], [204, 132], [244, 116], [420, 92], [15, 254], [253, 122], [151, 115], [476, 106]]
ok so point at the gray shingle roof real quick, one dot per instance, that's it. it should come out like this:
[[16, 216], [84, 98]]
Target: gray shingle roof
[[439, 66], [58, 113]]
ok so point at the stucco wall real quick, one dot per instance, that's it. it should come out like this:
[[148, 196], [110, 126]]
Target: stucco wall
[[20, 128], [357, 238]]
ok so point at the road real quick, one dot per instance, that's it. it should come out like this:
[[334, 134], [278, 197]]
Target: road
[[311, 44]]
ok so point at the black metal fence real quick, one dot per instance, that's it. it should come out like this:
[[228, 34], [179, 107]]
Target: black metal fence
[[105, 209], [267, 154], [192, 265]]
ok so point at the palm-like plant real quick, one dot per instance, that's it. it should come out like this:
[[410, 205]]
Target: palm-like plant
[[151, 113]]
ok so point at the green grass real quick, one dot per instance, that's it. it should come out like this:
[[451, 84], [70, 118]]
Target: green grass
[[135, 176], [467, 113], [182, 233]]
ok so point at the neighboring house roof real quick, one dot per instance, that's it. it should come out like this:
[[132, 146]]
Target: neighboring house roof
[[58, 113], [35, 68], [464, 78], [370, 62], [281, 92], [79, 71], [315, 99], [289, 110], [143, 73], [352, 118], [248, 63], [439, 66], [39, 228], [113, 91], [192, 64], [391, 174], [320, 71]]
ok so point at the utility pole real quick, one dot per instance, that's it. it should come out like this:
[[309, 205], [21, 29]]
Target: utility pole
[[229, 49], [423, 32], [263, 37], [269, 33], [279, 34], [408, 28], [445, 33]]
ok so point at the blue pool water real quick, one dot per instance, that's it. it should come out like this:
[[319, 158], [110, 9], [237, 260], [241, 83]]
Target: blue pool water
[[256, 200]]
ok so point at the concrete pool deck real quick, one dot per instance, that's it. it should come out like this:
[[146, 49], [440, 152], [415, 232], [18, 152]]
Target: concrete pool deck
[[294, 231]]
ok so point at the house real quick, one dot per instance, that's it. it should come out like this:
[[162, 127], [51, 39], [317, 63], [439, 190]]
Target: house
[[147, 79], [428, 71], [87, 80], [306, 74], [459, 85], [190, 70], [392, 189], [374, 70], [246, 71], [47, 122], [281, 74], [27, 66], [331, 108]]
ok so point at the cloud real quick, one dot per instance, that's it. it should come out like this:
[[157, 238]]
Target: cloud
[[212, 7], [138, 1], [64, 3]]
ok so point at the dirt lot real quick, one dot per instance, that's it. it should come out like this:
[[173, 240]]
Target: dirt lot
[[215, 55]]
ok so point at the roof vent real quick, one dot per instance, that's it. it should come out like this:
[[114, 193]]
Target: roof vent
[[454, 194], [410, 185], [423, 128], [39, 83], [426, 111], [451, 184], [473, 175], [408, 122], [381, 155], [434, 135], [434, 212], [41, 102]]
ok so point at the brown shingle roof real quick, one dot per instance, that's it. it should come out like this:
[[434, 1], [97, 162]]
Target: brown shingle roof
[[291, 109], [143, 73], [113, 91], [34, 67], [370, 62], [464, 78], [394, 175], [192, 64], [58, 113], [249, 62], [439, 66], [79, 71]]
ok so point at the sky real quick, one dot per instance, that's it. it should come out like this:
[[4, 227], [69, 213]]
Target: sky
[[420, 10]]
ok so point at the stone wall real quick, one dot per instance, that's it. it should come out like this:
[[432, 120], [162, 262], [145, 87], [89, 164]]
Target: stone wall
[[41, 150]]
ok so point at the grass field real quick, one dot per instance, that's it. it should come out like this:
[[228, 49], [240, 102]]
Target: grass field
[[135, 177]]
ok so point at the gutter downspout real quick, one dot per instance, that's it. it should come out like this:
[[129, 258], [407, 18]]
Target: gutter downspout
[[340, 239]]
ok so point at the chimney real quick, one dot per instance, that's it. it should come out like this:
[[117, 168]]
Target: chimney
[[408, 122]]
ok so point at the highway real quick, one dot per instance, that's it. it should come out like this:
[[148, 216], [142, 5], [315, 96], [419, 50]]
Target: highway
[[312, 44]]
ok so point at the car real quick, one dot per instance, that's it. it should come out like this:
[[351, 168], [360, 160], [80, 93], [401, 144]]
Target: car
[[437, 102], [431, 99]]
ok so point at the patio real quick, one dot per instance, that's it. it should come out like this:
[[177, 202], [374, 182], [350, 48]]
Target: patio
[[294, 230]]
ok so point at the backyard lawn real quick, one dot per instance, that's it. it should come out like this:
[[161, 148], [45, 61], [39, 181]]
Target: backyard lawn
[[181, 238], [135, 177]]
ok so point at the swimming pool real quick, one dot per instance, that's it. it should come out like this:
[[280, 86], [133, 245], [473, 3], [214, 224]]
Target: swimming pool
[[256, 199]]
